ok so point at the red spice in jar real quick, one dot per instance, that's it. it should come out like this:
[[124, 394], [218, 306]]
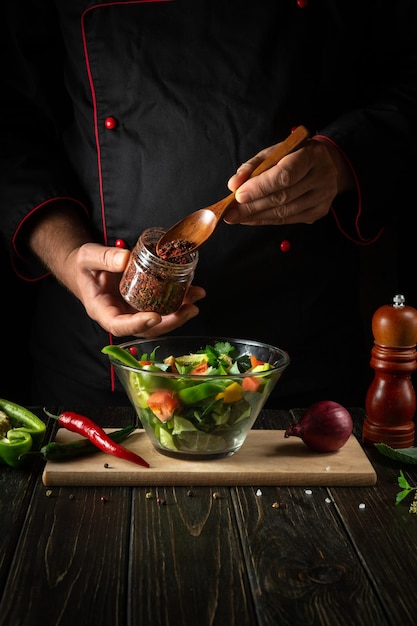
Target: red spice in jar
[[151, 283], [176, 250]]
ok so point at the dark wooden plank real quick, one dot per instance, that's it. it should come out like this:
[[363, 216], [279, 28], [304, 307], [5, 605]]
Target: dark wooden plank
[[194, 559], [380, 531], [186, 565], [385, 533], [302, 566], [70, 566], [16, 492], [72, 563], [16, 488]]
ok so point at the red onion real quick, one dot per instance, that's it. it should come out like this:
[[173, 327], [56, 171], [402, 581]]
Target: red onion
[[324, 427]]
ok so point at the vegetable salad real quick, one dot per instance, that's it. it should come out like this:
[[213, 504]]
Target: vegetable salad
[[198, 403]]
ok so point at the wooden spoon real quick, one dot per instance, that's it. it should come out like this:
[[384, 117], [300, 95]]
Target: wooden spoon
[[193, 230]]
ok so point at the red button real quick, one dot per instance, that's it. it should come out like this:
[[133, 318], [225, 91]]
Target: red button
[[110, 123], [120, 243], [285, 245], [302, 4]]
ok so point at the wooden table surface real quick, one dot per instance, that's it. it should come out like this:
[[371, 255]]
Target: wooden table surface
[[101, 556]]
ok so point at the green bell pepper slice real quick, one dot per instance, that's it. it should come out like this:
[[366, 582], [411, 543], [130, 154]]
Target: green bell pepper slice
[[24, 420], [196, 393], [17, 443]]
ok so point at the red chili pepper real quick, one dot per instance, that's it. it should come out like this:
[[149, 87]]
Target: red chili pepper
[[84, 426]]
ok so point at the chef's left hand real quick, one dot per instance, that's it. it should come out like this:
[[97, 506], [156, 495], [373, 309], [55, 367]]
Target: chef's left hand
[[299, 189]]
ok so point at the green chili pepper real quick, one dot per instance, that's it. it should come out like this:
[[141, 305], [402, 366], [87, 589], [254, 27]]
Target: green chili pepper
[[12, 447], [54, 451], [121, 355], [24, 420]]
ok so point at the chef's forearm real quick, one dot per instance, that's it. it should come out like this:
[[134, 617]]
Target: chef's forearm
[[54, 233]]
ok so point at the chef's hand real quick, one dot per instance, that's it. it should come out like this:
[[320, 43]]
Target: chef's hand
[[60, 237], [299, 189], [98, 271]]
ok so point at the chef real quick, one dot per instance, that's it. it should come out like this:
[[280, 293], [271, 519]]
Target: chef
[[120, 116]]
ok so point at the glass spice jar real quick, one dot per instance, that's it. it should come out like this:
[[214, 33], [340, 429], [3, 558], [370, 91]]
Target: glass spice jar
[[150, 283]]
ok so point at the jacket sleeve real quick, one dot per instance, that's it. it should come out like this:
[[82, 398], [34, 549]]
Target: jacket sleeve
[[378, 136], [35, 111]]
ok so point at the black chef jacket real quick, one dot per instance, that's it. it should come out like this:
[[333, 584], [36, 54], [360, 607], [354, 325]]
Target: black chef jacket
[[139, 111]]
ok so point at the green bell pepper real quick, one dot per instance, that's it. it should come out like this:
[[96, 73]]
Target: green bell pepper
[[20, 431], [16, 443]]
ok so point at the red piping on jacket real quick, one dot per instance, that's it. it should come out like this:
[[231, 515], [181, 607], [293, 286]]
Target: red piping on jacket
[[362, 240], [94, 100], [96, 130], [15, 236]]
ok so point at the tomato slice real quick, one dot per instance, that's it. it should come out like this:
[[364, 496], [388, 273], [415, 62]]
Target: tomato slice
[[201, 368], [251, 383], [255, 362], [163, 404]]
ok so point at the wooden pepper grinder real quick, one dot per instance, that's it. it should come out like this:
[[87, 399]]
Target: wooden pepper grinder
[[390, 402]]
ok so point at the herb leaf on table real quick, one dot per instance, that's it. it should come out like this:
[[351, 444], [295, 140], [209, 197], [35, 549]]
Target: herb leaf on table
[[406, 455], [406, 488]]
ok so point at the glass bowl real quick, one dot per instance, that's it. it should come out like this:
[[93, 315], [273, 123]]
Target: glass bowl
[[195, 405]]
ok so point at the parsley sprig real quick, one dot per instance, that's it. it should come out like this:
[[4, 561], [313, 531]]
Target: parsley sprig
[[403, 455], [406, 490]]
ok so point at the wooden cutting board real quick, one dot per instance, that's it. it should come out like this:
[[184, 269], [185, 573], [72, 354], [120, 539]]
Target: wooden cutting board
[[266, 458]]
